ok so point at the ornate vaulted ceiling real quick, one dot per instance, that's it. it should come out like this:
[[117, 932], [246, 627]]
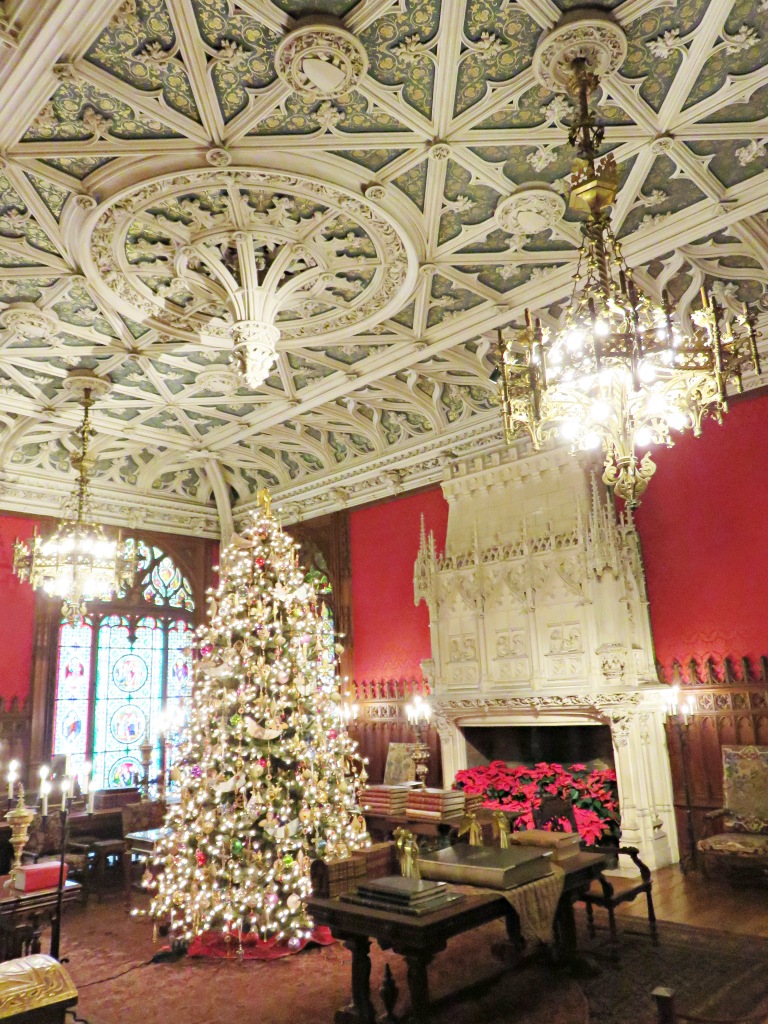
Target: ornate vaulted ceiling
[[405, 176]]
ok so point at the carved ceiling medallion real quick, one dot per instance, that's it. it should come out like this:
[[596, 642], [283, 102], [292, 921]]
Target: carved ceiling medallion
[[321, 62], [530, 210], [584, 32], [208, 252]]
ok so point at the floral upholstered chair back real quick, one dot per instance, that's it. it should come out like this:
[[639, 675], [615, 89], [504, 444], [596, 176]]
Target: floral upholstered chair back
[[44, 836], [142, 816], [745, 789]]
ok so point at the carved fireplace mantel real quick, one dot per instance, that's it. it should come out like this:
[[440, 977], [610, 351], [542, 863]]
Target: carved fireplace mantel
[[539, 616]]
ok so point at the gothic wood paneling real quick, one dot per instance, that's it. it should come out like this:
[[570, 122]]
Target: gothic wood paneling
[[14, 731], [381, 720], [731, 707]]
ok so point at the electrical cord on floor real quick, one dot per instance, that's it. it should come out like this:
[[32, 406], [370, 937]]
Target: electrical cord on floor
[[76, 1019], [114, 977]]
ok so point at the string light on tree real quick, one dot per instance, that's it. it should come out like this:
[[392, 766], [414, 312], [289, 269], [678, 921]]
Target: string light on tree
[[267, 774]]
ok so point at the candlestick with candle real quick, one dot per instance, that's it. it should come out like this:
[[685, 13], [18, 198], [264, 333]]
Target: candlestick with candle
[[679, 717], [146, 759], [19, 819], [13, 777], [89, 789], [418, 712], [45, 788]]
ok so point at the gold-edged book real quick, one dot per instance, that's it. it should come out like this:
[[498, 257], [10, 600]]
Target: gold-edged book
[[486, 866]]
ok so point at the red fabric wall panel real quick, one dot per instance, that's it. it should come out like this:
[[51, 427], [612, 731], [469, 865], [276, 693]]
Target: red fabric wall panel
[[391, 634], [704, 532], [17, 614]]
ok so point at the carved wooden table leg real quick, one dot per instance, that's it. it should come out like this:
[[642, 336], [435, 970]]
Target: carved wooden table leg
[[389, 993], [361, 1010], [418, 984], [36, 924], [510, 951], [128, 877], [567, 942]]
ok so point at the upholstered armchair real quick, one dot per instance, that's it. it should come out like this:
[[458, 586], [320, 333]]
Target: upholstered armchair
[[44, 844], [740, 850]]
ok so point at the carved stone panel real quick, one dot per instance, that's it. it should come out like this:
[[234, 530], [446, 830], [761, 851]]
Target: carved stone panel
[[509, 662], [462, 648], [564, 638]]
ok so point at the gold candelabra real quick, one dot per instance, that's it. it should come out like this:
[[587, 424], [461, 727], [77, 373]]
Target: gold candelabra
[[418, 713], [20, 818]]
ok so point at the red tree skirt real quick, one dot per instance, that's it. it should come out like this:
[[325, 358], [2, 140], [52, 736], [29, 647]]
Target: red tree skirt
[[215, 946]]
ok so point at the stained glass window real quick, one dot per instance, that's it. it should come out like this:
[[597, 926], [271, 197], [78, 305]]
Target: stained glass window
[[160, 580], [179, 688], [126, 674], [70, 716]]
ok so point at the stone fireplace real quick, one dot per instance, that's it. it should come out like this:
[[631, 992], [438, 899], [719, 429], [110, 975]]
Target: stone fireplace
[[539, 617]]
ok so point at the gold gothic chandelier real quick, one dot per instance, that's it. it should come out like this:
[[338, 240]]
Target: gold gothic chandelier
[[78, 563], [620, 373]]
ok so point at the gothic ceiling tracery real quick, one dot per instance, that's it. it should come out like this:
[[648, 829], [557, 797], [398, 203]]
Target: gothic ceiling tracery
[[402, 170]]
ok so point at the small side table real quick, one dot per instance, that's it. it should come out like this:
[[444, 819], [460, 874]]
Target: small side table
[[143, 845], [23, 916]]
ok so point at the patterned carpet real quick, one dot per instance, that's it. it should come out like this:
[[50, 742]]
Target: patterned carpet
[[715, 976]]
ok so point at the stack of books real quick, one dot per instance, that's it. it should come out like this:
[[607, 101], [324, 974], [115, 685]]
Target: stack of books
[[332, 878], [413, 896], [386, 800], [473, 802], [486, 866], [379, 859], [561, 844], [434, 804]]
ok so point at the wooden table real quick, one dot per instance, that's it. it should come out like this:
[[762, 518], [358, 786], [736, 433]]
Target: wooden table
[[418, 939], [141, 843], [23, 916]]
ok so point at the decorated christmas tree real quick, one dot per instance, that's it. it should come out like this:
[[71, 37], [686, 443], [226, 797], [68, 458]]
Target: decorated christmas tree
[[268, 774]]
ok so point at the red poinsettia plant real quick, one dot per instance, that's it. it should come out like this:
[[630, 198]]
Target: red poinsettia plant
[[594, 794]]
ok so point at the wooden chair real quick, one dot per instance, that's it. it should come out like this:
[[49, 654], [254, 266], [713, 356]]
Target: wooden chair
[[138, 817], [44, 845], [554, 809], [602, 892]]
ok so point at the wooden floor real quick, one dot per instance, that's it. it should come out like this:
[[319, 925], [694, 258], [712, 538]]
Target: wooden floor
[[705, 903]]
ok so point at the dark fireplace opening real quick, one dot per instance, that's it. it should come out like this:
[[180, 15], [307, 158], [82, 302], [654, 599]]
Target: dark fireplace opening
[[530, 744]]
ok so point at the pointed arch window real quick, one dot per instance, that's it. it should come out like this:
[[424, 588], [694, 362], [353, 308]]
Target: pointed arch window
[[124, 673]]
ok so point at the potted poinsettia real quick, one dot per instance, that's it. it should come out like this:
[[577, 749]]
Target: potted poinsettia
[[593, 793]]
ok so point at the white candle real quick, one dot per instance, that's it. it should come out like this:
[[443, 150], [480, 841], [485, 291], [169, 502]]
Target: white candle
[[91, 798], [64, 792], [13, 776], [45, 789], [85, 784]]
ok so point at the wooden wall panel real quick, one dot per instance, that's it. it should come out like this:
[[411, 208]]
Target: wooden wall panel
[[382, 720], [730, 708]]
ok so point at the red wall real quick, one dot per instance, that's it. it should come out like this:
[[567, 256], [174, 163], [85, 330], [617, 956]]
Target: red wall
[[704, 528], [391, 634], [17, 613]]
